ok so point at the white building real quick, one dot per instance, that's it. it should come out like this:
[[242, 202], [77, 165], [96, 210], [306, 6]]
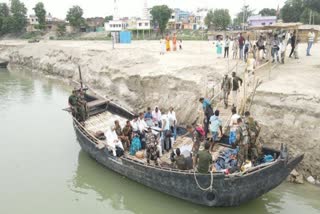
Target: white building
[[115, 25]]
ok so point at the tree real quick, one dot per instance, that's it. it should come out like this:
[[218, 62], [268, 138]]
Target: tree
[[292, 10], [313, 4], [74, 16], [268, 12], [41, 15], [245, 13], [18, 20], [108, 18], [307, 19], [160, 16], [219, 19], [61, 29], [4, 18]]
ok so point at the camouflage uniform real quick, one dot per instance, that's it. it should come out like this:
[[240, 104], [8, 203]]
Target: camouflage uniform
[[82, 110], [152, 150], [253, 133], [243, 141]]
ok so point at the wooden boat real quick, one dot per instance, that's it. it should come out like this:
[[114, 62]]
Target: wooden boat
[[212, 189], [4, 64]]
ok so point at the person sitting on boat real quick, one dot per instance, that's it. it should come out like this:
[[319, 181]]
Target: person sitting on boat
[[124, 140], [204, 159], [179, 160], [127, 132], [151, 146], [135, 144], [156, 116], [196, 138], [148, 117]]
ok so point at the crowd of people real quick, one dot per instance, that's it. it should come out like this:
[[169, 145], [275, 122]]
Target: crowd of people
[[268, 46]]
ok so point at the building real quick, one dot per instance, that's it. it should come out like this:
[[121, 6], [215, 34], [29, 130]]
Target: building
[[200, 16], [51, 23], [261, 20], [95, 24], [115, 26]]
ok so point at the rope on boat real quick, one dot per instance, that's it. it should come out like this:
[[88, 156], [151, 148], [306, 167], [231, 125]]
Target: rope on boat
[[203, 189]]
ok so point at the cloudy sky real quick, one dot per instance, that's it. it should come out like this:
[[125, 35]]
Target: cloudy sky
[[58, 8]]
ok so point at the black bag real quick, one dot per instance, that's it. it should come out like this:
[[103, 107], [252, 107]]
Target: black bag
[[119, 151]]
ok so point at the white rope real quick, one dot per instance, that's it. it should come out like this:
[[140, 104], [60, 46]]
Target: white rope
[[203, 189]]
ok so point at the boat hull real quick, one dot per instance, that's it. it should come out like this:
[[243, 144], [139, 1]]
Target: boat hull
[[226, 190]]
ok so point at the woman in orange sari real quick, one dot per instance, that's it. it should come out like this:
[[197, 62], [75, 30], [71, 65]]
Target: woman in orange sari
[[174, 42], [168, 43]]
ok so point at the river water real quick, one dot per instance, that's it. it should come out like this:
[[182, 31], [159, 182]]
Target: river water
[[43, 169]]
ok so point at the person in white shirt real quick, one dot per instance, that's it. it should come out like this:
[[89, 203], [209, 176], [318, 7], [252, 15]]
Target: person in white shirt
[[234, 117], [156, 116], [172, 122], [311, 36], [166, 133]]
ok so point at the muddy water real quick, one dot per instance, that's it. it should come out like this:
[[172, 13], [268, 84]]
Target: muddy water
[[43, 169]]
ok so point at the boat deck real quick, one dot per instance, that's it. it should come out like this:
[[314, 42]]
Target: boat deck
[[105, 121]]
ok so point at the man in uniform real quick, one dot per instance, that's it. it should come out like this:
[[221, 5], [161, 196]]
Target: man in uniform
[[127, 133], [73, 100], [253, 130], [179, 160], [243, 142], [196, 138], [82, 110], [226, 88], [151, 146], [204, 159]]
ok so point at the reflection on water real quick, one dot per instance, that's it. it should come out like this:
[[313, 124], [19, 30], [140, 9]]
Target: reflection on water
[[121, 193], [43, 169]]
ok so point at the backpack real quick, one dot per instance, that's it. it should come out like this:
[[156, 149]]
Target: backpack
[[200, 130]]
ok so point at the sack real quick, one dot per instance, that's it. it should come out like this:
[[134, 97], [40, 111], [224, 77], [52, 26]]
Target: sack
[[140, 154], [200, 130], [100, 135], [119, 151]]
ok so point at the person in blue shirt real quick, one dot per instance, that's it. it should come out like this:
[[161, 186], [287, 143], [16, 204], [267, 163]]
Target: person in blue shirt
[[215, 127], [208, 112], [148, 117]]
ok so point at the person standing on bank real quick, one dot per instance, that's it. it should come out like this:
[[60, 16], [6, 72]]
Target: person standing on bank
[[293, 44], [226, 47], [235, 88], [226, 88], [241, 42], [311, 36], [208, 112]]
